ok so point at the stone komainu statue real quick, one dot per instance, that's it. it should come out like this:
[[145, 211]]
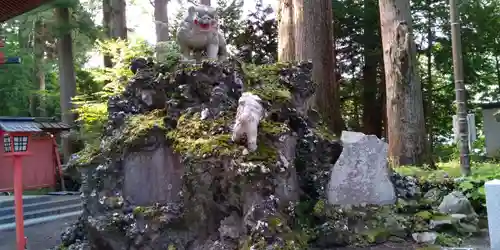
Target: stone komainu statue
[[199, 33]]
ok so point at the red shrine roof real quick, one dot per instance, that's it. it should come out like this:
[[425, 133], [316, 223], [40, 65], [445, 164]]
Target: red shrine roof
[[13, 8], [31, 124]]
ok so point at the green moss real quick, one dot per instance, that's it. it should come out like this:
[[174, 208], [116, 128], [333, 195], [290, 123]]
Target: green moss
[[441, 217], [376, 235], [89, 152], [319, 207], [264, 153], [430, 247], [448, 240], [202, 138], [425, 215], [263, 80], [139, 210], [147, 212], [324, 133], [273, 128], [135, 127]]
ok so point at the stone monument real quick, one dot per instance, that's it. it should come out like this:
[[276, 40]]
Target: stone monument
[[361, 174], [199, 34]]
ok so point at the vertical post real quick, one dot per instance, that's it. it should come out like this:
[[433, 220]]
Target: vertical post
[[18, 195], [492, 189], [460, 93], [58, 163]]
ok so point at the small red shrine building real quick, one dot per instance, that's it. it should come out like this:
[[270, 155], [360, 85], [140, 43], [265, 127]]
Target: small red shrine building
[[42, 167]]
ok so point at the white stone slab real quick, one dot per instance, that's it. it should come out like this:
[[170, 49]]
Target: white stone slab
[[351, 136], [361, 174], [492, 189]]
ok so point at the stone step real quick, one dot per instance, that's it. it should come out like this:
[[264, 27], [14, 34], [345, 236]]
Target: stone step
[[42, 213], [8, 201], [60, 201], [41, 220]]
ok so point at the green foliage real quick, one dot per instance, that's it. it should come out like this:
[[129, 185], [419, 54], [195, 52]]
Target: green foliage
[[105, 82], [472, 186]]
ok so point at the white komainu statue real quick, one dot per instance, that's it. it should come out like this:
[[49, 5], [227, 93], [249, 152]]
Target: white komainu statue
[[250, 112], [199, 32]]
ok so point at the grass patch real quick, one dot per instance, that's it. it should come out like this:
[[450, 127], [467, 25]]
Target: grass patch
[[472, 186], [39, 191], [451, 169]]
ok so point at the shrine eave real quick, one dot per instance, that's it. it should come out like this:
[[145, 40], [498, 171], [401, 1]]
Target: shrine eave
[[12, 8]]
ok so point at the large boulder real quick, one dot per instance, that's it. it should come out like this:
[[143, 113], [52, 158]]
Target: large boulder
[[165, 176], [361, 174]]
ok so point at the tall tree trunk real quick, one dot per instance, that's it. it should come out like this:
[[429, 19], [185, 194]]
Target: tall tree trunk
[[372, 122], [428, 101], [382, 101], [161, 20], [206, 2], [118, 22], [106, 23], [460, 91], [405, 113], [67, 79], [299, 24], [319, 16], [286, 38], [497, 66], [38, 102]]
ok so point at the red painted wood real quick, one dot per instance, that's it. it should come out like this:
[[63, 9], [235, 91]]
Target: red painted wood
[[18, 196], [39, 170], [13, 8]]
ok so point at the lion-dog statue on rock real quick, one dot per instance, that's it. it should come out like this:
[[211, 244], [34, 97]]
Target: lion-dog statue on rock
[[199, 33]]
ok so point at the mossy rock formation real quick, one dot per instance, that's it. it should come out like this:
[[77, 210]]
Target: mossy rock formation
[[164, 176]]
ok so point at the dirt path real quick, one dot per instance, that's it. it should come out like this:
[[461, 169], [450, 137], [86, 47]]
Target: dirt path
[[40, 237]]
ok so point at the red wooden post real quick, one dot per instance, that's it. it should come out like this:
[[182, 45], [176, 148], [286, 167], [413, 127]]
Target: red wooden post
[[18, 195], [18, 144]]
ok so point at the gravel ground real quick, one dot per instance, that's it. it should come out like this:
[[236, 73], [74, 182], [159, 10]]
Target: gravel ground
[[40, 237]]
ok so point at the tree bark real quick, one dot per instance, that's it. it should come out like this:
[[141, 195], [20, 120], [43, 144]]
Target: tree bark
[[161, 20], [286, 38], [114, 21], [319, 16], [38, 103], [372, 119], [405, 114], [118, 17], [67, 79], [106, 23], [302, 52], [428, 101]]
